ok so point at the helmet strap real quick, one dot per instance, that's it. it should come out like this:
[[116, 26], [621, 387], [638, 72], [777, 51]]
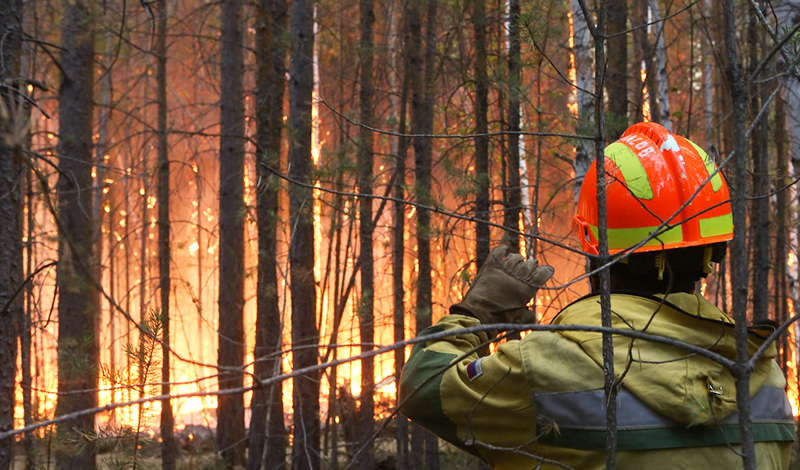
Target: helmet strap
[[707, 255], [661, 264]]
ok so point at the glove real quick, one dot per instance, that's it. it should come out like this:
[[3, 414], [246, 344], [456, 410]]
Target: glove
[[503, 288]]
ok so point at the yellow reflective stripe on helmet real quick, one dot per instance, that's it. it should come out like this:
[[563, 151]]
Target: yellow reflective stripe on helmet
[[716, 181], [622, 238], [631, 168], [716, 226]]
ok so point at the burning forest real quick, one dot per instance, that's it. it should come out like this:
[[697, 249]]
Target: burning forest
[[228, 227]]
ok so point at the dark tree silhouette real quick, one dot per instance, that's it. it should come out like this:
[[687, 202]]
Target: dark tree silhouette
[[78, 300]]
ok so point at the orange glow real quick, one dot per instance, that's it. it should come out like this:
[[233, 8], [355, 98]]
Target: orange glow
[[791, 364], [572, 103], [645, 98]]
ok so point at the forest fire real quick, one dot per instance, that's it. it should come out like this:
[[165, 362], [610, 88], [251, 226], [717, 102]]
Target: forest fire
[[467, 125]]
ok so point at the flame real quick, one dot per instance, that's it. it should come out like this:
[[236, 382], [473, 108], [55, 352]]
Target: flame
[[791, 364], [645, 93], [572, 103]]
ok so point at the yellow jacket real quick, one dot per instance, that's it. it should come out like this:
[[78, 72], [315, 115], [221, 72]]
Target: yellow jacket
[[540, 399]]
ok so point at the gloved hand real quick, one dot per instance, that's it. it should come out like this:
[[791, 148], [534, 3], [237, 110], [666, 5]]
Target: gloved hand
[[503, 288]]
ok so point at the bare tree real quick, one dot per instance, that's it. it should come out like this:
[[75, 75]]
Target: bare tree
[[481, 97], [13, 130], [169, 449], [364, 458], [617, 83], [739, 279], [267, 433], [230, 411], [398, 244], [78, 300], [305, 336], [422, 124]]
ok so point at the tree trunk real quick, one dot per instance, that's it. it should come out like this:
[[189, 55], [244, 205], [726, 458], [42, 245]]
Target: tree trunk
[[398, 247], [169, 449], [230, 411], [423, 150], [364, 458], [305, 337], [11, 184], [660, 77], [513, 189], [267, 432], [760, 206], [644, 50], [78, 300], [482, 234], [708, 79], [617, 82], [782, 217], [739, 276]]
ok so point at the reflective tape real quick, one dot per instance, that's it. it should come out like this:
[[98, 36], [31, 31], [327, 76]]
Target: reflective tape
[[715, 226], [631, 168], [622, 238], [580, 418], [716, 180]]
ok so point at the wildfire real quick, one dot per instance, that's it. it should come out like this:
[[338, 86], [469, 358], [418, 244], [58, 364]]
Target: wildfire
[[572, 105], [791, 364]]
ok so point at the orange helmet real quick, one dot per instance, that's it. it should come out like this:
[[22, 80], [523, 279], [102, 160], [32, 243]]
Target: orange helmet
[[650, 174]]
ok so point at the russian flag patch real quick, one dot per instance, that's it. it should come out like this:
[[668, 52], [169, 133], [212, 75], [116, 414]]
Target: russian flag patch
[[474, 369]]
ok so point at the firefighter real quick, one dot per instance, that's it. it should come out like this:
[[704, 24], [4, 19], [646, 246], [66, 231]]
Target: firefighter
[[539, 402]]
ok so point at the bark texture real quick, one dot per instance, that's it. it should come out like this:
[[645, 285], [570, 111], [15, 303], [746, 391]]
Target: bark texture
[[364, 457], [78, 299], [267, 432], [513, 197], [481, 97], [11, 183], [230, 410], [617, 82], [305, 337], [169, 449]]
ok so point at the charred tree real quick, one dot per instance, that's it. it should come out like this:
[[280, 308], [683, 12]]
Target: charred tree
[[78, 299], [481, 97], [230, 411], [13, 131], [305, 337], [364, 458], [169, 449], [267, 433]]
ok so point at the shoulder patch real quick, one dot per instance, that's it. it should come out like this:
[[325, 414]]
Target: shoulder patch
[[474, 369]]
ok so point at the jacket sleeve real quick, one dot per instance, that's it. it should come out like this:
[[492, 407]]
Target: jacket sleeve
[[458, 391]]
